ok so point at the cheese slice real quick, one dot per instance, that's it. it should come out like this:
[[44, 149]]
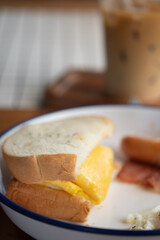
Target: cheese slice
[[94, 179]]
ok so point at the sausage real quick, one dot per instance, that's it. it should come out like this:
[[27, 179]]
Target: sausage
[[142, 149]]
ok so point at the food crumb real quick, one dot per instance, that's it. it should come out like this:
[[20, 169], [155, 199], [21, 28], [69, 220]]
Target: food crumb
[[87, 225], [117, 165], [100, 207]]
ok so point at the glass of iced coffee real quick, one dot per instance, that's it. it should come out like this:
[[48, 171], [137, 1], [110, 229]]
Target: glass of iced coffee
[[133, 49]]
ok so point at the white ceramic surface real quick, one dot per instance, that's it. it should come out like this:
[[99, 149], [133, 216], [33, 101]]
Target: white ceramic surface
[[106, 221]]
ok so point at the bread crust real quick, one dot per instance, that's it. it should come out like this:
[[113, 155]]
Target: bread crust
[[49, 202], [33, 169]]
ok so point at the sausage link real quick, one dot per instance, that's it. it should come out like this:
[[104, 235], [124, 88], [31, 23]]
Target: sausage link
[[142, 149]]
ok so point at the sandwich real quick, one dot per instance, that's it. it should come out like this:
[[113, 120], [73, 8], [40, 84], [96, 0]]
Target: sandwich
[[59, 168]]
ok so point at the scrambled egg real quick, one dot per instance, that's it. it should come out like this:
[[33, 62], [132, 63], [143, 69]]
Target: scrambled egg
[[94, 178], [146, 220]]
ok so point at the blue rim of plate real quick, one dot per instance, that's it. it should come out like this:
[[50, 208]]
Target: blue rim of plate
[[72, 226]]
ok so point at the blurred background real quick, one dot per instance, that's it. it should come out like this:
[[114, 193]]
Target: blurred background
[[42, 40]]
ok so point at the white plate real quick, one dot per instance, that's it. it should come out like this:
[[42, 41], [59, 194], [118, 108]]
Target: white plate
[[106, 221]]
